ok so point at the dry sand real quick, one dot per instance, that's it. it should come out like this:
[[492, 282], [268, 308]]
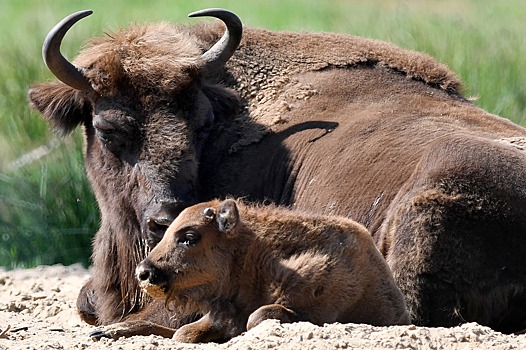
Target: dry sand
[[38, 305]]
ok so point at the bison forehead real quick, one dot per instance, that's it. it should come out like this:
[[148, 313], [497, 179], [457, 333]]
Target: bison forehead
[[156, 56]]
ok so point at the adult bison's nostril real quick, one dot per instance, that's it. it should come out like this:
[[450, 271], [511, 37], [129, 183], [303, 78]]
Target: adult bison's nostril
[[158, 225], [158, 218]]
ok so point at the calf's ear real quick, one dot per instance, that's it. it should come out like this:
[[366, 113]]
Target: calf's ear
[[61, 105], [227, 215]]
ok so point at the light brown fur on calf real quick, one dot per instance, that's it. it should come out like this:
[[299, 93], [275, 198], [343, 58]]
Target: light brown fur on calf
[[250, 263]]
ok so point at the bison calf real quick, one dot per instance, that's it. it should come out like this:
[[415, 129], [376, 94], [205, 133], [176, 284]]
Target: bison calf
[[239, 265]]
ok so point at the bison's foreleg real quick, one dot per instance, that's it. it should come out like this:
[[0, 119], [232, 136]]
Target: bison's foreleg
[[203, 330], [86, 304], [223, 322]]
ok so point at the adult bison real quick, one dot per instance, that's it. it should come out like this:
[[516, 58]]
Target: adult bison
[[323, 123]]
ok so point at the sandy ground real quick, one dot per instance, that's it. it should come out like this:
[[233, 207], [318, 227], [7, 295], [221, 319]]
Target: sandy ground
[[37, 311]]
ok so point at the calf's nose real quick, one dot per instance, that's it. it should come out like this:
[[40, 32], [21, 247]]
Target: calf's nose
[[143, 272], [148, 272]]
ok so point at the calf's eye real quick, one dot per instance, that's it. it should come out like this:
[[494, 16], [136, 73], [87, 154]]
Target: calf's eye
[[188, 239]]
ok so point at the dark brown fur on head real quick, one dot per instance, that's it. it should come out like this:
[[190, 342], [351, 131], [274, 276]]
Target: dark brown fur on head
[[151, 105], [156, 61]]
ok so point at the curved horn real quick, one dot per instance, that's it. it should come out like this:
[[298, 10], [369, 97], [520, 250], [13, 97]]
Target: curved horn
[[57, 64], [220, 53]]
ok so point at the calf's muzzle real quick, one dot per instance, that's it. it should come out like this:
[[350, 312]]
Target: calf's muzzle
[[147, 272]]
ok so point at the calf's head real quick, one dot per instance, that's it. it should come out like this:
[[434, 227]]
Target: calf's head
[[142, 97], [194, 255]]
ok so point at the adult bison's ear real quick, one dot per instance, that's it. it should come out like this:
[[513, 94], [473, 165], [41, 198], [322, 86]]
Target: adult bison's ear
[[226, 103], [227, 215], [61, 105]]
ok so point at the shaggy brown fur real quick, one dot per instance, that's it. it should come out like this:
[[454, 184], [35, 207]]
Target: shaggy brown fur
[[239, 265], [327, 123]]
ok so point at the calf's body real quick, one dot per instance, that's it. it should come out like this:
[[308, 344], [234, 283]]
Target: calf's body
[[238, 265]]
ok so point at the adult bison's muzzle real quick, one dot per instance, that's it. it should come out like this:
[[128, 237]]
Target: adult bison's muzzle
[[158, 217]]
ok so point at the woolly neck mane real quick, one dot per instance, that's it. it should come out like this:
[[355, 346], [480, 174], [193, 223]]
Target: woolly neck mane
[[315, 51]]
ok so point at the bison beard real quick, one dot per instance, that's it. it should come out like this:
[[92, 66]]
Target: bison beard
[[326, 123]]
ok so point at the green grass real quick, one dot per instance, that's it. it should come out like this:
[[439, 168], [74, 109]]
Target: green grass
[[47, 211]]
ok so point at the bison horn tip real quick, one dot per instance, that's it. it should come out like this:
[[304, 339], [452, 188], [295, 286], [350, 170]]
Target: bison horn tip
[[222, 50], [57, 64]]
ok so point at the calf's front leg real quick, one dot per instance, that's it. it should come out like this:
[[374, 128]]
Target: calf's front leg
[[272, 311], [204, 330], [131, 328]]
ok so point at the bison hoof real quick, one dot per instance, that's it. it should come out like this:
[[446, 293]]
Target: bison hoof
[[98, 334]]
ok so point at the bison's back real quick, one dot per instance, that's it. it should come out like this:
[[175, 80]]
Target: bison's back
[[349, 147], [355, 143]]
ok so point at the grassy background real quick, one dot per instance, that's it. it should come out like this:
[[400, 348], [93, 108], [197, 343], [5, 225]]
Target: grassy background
[[47, 211]]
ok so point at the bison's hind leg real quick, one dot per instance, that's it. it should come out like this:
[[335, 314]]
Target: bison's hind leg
[[455, 236]]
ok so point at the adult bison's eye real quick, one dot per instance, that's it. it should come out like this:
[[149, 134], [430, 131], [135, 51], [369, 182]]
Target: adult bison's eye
[[109, 135], [188, 238], [106, 135]]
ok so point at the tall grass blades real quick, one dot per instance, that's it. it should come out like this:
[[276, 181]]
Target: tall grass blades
[[47, 211]]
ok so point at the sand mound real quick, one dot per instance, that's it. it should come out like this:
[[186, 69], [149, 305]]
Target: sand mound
[[38, 307]]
